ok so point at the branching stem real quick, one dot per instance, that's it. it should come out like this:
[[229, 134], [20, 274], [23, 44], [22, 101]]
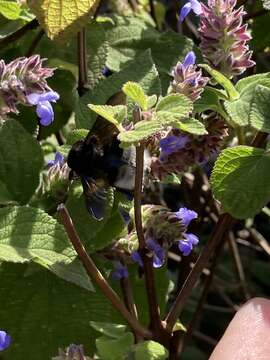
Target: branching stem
[[96, 275]]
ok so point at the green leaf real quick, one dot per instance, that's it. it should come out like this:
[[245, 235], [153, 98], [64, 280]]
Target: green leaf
[[21, 161], [10, 10], [135, 92], [60, 311], [192, 126], [241, 180], [169, 111], [253, 79], [240, 109], [97, 48], [108, 329], [260, 109], [223, 81], [150, 350], [210, 100], [151, 101], [29, 234], [61, 19], [142, 130], [76, 135], [175, 106], [93, 233], [115, 349], [142, 71], [114, 114]]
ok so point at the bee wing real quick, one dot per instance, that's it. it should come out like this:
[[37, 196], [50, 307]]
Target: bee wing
[[95, 193]]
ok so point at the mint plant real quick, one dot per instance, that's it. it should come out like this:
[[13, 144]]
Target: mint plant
[[134, 164]]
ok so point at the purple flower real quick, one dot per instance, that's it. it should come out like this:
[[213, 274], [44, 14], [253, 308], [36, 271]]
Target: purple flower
[[171, 144], [58, 159], [190, 59], [224, 37], [136, 257], [186, 245], [186, 215], [120, 272], [44, 108], [191, 5], [5, 340], [158, 253], [186, 79]]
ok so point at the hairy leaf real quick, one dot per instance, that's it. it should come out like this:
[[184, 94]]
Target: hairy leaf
[[114, 114], [223, 81], [29, 234], [241, 180], [150, 350], [135, 92], [260, 109], [21, 160], [61, 19], [192, 126], [142, 71]]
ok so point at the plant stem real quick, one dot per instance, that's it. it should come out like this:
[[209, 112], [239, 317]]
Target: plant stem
[[155, 321], [7, 40], [96, 275], [82, 61], [223, 225]]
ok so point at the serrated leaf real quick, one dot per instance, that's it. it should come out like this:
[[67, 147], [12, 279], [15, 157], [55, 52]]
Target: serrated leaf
[[21, 161], [76, 135], [240, 109], [29, 234], [61, 19], [151, 101], [114, 114], [115, 349], [175, 105], [192, 126], [142, 71], [108, 329], [253, 79], [169, 111], [135, 92], [260, 109], [59, 310], [142, 130], [10, 10], [210, 100], [97, 48], [223, 81], [241, 180], [150, 350]]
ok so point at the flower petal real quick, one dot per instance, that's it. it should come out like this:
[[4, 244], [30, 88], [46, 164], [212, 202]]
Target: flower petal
[[51, 96], [136, 257], [185, 247], [196, 7], [33, 99], [186, 215], [193, 239], [5, 340], [185, 11], [190, 59], [45, 113]]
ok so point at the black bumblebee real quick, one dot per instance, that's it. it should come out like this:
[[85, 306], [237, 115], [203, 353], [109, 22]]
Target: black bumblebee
[[100, 166]]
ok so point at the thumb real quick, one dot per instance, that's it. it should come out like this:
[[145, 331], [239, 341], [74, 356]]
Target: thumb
[[248, 334]]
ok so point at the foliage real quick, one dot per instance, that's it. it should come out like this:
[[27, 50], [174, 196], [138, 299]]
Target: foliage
[[88, 112]]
